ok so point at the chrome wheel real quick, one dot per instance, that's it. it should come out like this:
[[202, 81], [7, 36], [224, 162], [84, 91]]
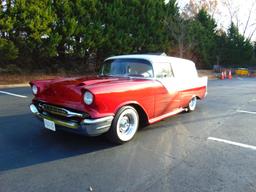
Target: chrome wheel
[[127, 124], [124, 126], [192, 104]]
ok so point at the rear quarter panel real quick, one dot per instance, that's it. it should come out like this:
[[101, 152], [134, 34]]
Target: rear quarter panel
[[196, 87]]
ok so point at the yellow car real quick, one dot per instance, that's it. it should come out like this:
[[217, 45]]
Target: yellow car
[[242, 72]]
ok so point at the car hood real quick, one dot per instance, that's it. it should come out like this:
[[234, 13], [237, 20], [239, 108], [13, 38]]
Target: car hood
[[83, 82], [68, 92], [71, 89]]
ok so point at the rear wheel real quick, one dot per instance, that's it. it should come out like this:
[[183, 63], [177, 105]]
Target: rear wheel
[[192, 104], [124, 125]]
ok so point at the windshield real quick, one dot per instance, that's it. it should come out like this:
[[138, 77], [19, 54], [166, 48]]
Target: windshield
[[127, 67]]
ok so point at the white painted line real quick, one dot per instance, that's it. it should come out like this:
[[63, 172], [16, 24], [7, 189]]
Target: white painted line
[[249, 112], [12, 94], [239, 78], [232, 143]]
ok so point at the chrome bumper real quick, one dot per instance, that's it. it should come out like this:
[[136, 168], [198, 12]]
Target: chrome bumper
[[91, 127]]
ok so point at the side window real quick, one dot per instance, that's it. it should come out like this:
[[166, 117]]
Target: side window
[[164, 70]]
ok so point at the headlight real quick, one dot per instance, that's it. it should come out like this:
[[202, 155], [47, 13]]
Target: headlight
[[88, 98], [34, 89]]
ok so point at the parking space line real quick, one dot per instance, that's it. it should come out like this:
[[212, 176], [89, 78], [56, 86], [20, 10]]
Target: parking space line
[[249, 112], [13, 94], [232, 143]]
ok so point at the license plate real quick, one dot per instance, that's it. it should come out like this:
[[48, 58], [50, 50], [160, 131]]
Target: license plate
[[49, 125]]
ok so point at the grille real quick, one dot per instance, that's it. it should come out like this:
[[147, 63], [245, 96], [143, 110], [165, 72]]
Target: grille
[[61, 112], [55, 110]]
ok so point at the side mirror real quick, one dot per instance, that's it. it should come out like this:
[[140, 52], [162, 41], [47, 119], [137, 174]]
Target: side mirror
[[164, 75]]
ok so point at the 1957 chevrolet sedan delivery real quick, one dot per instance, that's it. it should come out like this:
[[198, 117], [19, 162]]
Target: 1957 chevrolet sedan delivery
[[129, 91]]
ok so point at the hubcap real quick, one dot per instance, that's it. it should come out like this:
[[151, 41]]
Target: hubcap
[[124, 124], [192, 104], [127, 124]]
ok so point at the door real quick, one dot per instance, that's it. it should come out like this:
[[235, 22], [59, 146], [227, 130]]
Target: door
[[167, 99]]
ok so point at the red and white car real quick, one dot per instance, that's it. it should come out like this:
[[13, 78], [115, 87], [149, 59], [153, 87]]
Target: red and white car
[[131, 90]]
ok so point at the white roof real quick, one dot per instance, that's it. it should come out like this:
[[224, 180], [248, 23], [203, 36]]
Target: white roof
[[151, 58], [182, 68]]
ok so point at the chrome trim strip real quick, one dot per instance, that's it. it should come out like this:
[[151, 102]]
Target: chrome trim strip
[[99, 120], [104, 126], [72, 114]]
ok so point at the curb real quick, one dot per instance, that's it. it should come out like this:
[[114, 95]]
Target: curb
[[14, 85]]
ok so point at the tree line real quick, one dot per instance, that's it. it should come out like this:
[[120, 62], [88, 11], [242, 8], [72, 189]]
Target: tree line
[[75, 35]]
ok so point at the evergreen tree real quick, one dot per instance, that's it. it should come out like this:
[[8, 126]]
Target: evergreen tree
[[133, 26], [254, 48], [205, 29], [239, 50], [64, 25], [176, 28], [36, 34], [28, 27], [8, 50]]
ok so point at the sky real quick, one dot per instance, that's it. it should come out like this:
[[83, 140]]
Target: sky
[[242, 9]]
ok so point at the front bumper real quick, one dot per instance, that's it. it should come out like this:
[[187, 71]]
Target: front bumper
[[90, 127]]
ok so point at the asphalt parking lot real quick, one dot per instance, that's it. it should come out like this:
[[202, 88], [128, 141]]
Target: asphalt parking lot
[[211, 149]]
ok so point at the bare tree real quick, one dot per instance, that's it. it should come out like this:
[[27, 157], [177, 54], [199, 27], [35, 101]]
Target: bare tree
[[177, 29], [250, 22], [193, 7], [232, 10]]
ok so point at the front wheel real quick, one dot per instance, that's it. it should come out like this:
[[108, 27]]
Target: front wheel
[[124, 125], [192, 104]]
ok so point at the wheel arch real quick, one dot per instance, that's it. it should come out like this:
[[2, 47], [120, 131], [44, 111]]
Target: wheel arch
[[198, 97], [143, 117]]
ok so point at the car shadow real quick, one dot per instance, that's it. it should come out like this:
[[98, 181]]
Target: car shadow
[[25, 142], [186, 118]]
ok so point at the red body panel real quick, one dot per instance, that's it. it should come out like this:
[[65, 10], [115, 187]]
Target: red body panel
[[166, 101], [111, 93]]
